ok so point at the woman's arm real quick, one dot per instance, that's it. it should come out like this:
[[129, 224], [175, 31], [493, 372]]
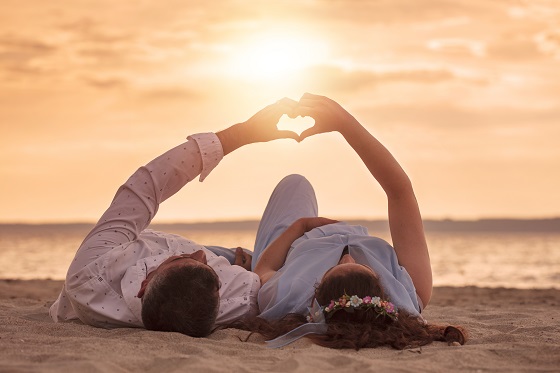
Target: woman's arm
[[274, 256], [405, 221]]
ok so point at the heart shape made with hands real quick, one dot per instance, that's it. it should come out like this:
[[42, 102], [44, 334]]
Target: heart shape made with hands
[[297, 125]]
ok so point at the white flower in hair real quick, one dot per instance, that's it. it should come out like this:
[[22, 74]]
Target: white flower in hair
[[355, 301]]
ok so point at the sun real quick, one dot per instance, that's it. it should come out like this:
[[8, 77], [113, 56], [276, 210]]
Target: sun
[[275, 56]]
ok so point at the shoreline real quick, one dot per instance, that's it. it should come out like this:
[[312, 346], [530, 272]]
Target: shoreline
[[511, 330]]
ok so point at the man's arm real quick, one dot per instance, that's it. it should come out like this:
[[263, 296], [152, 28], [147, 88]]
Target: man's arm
[[137, 201]]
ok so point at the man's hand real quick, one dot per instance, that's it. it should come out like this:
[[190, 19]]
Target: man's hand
[[243, 259], [261, 127]]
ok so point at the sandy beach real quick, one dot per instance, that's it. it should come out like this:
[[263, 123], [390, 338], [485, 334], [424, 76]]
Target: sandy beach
[[511, 330]]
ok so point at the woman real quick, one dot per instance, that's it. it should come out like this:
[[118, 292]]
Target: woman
[[361, 291]]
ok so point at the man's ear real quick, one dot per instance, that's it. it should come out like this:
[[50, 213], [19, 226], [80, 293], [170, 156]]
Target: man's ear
[[143, 287]]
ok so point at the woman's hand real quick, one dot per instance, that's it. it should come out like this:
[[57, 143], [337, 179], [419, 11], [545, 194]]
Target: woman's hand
[[274, 256], [329, 115]]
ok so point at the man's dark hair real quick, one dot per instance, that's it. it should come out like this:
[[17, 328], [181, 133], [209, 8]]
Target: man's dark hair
[[183, 300]]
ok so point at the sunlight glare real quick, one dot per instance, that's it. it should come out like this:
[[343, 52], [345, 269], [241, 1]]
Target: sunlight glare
[[297, 125], [276, 56]]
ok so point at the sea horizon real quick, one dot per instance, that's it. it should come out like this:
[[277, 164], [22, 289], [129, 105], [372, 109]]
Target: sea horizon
[[551, 224]]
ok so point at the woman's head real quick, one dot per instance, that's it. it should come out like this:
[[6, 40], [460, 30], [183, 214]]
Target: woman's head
[[350, 278], [364, 326], [370, 326], [367, 326]]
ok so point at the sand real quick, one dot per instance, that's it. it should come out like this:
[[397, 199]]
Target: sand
[[511, 330]]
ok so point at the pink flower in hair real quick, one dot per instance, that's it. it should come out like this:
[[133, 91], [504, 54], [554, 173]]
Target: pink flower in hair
[[349, 303], [389, 307]]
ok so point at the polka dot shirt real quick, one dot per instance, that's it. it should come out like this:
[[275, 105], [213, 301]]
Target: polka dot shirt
[[110, 265]]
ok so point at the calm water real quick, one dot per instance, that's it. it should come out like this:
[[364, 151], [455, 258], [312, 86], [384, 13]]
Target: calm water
[[490, 259]]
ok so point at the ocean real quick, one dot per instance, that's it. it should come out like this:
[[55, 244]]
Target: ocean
[[461, 255]]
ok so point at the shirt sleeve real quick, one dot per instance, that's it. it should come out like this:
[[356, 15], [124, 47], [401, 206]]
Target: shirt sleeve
[[137, 201], [238, 291]]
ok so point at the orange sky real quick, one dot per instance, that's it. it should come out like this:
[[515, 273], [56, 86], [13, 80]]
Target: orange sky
[[466, 94]]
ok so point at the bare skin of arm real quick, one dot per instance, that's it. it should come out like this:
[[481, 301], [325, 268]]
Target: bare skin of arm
[[274, 256], [405, 221], [261, 127]]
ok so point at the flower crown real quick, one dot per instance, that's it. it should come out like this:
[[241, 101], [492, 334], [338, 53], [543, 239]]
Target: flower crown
[[352, 303]]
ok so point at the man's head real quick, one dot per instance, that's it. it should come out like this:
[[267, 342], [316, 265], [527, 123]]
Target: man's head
[[181, 295]]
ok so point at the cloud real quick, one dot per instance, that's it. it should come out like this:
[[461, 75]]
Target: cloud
[[387, 12], [106, 82], [548, 42], [449, 116], [536, 9], [332, 78], [514, 48], [19, 55], [458, 46], [95, 32], [170, 93]]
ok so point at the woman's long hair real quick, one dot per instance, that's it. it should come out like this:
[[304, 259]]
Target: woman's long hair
[[363, 327]]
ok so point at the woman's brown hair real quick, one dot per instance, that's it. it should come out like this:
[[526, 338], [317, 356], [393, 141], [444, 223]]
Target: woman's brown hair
[[363, 327]]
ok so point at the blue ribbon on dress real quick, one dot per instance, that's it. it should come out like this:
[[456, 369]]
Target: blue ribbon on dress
[[318, 326]]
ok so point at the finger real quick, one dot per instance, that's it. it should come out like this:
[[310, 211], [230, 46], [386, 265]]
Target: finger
[[307, 111], [247, 259], [276, 114], [287, 101], [238, 257], [308, 132], [311, 96], [324, 103], [289, 105], [288, 135], [311, 100]]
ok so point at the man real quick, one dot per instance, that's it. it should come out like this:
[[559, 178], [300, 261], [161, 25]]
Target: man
[[125, 275]]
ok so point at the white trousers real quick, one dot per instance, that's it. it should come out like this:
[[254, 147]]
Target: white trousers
[[293, 198]]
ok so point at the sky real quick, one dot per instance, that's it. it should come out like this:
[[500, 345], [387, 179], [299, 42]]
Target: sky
[[464, 93]]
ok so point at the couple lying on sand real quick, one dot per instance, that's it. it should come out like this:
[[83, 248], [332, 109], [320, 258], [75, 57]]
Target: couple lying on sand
[[308, 276]]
